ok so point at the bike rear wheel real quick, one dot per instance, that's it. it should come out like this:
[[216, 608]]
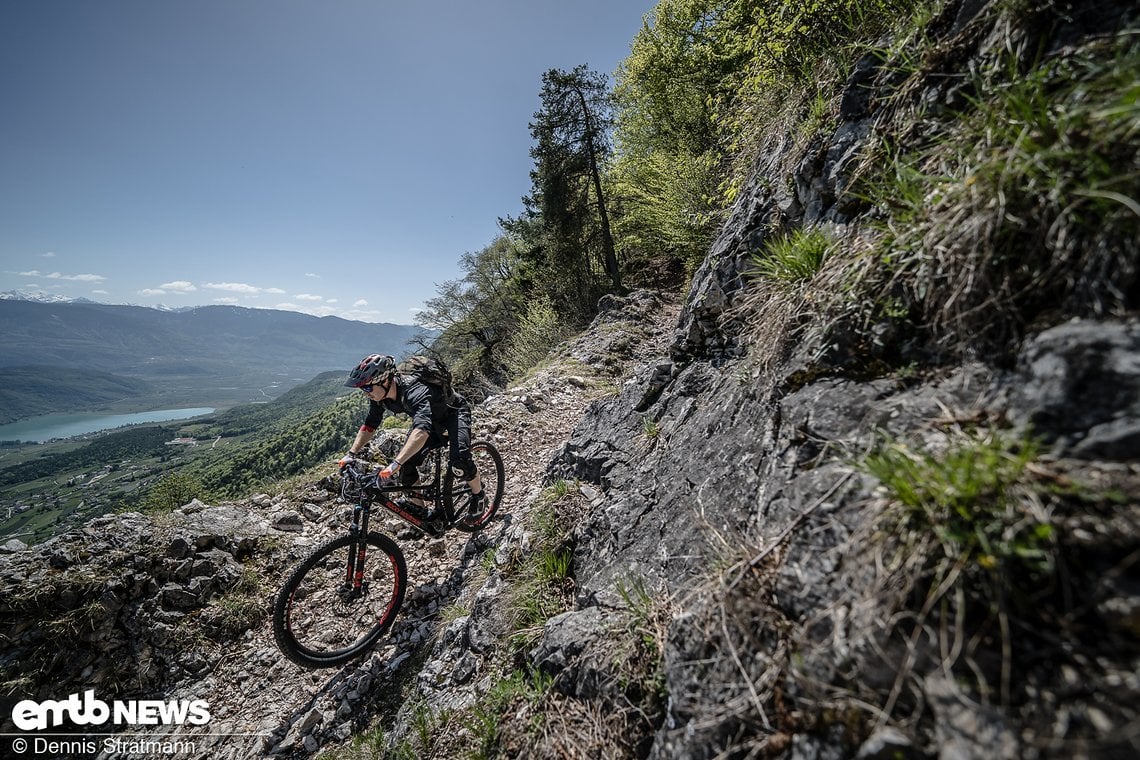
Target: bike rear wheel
[[456, 490], [322, 618]]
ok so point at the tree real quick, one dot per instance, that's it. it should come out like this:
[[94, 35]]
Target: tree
[[572, 142], [477, 314], [671, 96]]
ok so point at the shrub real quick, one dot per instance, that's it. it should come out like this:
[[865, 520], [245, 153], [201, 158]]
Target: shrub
[[539, 331], [967, 496]]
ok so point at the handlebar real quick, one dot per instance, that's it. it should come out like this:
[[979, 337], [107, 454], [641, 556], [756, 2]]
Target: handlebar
[[359, 474]]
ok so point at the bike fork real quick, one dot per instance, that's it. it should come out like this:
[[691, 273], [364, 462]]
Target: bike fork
[[357, 551]]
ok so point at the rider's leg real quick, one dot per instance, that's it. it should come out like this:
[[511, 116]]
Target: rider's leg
[[459, 453], [410, 476]]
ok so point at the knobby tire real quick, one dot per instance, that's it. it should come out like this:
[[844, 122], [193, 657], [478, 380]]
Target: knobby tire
[[318, 624]]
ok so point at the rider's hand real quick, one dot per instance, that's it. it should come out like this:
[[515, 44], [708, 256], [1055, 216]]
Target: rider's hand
[[389, 471], [346, 460]]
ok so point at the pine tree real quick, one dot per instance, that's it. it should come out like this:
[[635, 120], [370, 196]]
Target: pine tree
[[572, 142]]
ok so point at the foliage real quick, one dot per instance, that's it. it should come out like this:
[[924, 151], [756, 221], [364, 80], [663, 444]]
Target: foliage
[[667, 212], [396, 422], [670, 154], [793, 52], [132, 443], [170, 492], [282, 451], [796, 257], [1027, 204], [539, 330], [966, 495], [574, 257], [477, 314]]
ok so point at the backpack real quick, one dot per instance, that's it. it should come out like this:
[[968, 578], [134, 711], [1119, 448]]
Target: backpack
[[430, 370]]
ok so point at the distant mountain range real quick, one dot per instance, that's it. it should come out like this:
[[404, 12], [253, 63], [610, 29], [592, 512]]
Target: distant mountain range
[[39, 296], [192, 356]]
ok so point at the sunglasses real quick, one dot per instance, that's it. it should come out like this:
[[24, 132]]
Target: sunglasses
[[368, 388]]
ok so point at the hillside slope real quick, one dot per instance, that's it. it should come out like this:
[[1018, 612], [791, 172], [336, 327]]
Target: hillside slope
[[176, 605], [183, 356]]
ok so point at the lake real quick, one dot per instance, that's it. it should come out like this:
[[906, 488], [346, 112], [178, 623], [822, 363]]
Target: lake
[[49, 426]]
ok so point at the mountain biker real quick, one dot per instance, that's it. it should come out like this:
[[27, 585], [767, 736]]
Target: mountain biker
[[435, 420]]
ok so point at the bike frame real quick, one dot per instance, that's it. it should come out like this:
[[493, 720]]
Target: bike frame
[[361, 512]]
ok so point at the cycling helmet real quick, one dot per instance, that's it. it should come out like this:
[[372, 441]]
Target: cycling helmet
[[373, 368]]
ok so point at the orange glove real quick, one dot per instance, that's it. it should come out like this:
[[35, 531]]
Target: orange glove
[[389, 471]]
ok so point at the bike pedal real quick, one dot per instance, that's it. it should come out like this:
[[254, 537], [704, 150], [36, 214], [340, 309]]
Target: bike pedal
[[435, 528]]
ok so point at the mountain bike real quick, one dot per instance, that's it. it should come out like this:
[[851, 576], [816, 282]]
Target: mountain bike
[[345, 595]]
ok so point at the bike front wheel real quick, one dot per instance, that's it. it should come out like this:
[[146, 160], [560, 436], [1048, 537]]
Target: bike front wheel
[[490, 466], [340, 600]]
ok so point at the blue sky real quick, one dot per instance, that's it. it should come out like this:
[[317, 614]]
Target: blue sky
[[325, 156]]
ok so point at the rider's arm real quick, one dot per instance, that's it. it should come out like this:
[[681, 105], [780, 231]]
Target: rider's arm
[[368, 429], [417, 402], [363, 436], [416, 440]]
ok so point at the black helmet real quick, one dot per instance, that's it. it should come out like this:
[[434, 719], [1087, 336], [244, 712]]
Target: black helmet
[[373, 368]]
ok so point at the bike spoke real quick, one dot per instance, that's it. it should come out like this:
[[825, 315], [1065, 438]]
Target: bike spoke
[[321, 620]]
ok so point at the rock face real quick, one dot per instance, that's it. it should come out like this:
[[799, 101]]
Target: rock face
[[763, 483]]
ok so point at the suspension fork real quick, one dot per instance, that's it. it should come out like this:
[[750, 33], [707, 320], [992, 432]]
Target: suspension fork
[[358, 549]]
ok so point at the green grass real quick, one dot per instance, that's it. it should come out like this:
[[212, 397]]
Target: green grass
[[967, 495], [795, 258], [1025, 205], [489, 713], [541, 581]]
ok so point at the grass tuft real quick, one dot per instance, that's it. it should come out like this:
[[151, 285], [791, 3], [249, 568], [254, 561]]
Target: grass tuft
[[967, 496], [796, 258]]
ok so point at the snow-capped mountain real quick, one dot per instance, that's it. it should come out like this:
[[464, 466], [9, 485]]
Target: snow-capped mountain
[[39, 296]]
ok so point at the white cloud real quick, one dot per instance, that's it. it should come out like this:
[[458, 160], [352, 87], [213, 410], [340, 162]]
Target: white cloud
[[48, 255], [60, 276], [179, 286], [311, 274], [307, 297], [331, 300], [226, 299], [274, 291], [74, 277], [233, 287], [360, 304], [152, 292], [99, 292]]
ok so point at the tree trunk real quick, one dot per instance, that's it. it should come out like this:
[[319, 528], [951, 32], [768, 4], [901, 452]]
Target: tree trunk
[[608, 253]]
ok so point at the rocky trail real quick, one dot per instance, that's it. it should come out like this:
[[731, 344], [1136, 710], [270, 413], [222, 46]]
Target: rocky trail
[[163, 597]]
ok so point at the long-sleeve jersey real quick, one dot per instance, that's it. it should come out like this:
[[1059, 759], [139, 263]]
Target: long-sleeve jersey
[[423, 402]]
